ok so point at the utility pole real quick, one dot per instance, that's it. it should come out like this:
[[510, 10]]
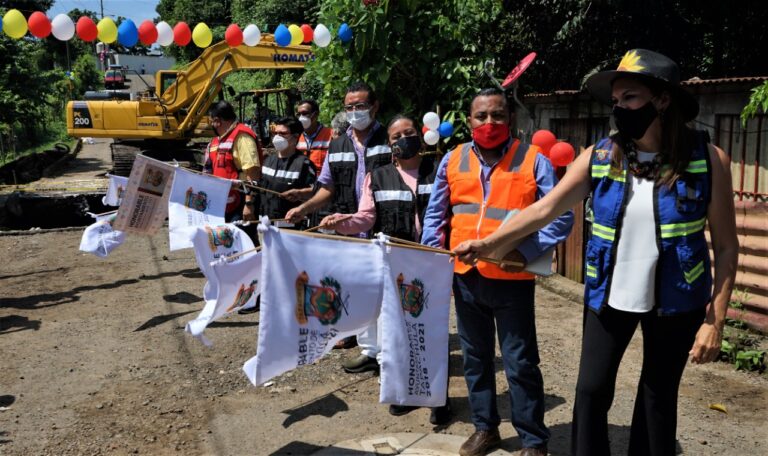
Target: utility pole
[[105, 55]]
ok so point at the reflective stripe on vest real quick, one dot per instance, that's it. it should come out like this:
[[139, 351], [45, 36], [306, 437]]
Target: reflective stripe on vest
[[341, 157], [282, 173], [697, 166], [392, 195], [682, 229], [377, 150], [424, 189], [605, 232], [600, 171], [475, 215]]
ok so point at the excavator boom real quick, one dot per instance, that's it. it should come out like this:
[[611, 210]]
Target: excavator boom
[[177, 110]]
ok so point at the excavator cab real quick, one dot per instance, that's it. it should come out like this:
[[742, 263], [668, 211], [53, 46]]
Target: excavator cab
[[258, 108]]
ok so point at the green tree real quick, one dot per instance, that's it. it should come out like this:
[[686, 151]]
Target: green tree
[[217, 15], [268, 14], [417, 55]]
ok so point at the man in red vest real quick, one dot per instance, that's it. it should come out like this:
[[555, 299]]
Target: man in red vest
[[234, 153]]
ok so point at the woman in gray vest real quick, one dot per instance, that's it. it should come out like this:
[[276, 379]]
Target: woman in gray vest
[[393, 202]]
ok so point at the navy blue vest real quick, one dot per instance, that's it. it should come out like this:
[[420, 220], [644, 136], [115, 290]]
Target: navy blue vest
[[683, 272]]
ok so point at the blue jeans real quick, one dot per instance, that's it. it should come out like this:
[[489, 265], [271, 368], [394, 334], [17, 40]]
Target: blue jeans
[[487, 306]]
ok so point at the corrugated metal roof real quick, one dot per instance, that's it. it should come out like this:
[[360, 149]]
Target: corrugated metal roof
[[690, 82], [697, 81]]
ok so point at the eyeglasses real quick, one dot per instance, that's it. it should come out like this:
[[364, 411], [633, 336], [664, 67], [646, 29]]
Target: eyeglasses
[[305, 113], [357, 107]]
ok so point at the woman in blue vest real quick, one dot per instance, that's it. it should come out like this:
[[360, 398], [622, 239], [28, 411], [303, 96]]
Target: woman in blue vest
[[654, 185]]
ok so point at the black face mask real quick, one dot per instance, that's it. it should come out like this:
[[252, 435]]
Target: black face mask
[[406, 147], [633, 123]]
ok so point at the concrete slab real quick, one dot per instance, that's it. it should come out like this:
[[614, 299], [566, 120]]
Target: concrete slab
[[404, 443]]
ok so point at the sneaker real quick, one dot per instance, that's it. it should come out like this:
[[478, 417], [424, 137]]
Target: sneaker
[[360, 363], [441, 415], [400, 410]]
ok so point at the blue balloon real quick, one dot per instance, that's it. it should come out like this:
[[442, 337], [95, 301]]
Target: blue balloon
[[445, 129], [127, 33], [345, 33], [282, 35]]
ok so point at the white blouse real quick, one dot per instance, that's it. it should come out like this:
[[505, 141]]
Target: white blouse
[[634, 275]]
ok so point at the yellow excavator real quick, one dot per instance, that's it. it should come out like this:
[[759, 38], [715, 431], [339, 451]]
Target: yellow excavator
[[161, 122]]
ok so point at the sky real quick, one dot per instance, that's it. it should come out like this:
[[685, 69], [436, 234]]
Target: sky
[[136, 10]]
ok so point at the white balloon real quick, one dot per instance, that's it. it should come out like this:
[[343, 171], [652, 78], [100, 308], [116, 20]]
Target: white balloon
[[62, 27], [322, 36], [431, 121], [431, 137], [251, 35], [164, 34]]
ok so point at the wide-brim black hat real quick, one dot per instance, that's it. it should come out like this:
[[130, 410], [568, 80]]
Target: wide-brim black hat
[[649, 65]]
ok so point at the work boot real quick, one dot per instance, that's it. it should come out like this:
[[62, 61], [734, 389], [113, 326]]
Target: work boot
[[360, 363], [479, 443], [442, 414]]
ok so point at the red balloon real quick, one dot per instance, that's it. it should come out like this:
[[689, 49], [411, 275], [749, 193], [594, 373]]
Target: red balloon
[[308, 33], [562, 154], [424, 130], [233, 36], [86, 29], [544, 139], [182, 35], [147, 33], [39, 25]]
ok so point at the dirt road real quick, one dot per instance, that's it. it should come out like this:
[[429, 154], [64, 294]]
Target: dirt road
[[95, 361]]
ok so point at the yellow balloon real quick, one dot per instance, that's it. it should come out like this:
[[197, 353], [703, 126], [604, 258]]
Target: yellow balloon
[[202, 35], [14, 24], [297, 35], [107, 30]]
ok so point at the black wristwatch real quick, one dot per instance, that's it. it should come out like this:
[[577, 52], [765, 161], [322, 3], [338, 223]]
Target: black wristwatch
[[251, 203]]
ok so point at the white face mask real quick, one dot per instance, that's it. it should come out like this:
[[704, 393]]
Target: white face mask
[[280, 142], [306, 122], [359, 119]]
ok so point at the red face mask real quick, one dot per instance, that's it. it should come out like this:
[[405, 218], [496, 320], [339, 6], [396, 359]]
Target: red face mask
[[491, 135]]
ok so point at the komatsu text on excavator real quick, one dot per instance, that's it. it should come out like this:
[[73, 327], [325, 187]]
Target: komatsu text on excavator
[[161, 123]]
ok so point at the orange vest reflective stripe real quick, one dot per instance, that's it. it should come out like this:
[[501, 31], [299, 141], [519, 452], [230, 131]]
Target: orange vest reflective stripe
[[317, 149], [512, 186]]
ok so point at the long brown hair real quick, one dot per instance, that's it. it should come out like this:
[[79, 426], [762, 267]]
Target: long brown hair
[[677, 137]]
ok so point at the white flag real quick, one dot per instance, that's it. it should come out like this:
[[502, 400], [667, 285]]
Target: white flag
[[316, 291], [211, 244], [145, 201], [195, 200], [100, 238], [414, 327], [114, 195]]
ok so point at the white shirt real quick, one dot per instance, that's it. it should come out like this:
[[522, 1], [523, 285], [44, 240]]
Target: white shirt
[[634, 276]]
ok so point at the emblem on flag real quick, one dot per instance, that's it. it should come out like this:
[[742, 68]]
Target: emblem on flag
[[197, 201], [324, 301], [412, 297], [219, 236], [243, 295]]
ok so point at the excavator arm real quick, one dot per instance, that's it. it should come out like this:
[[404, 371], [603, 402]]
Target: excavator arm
[[176, 111]]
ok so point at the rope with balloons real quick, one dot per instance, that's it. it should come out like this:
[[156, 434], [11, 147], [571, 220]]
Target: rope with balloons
[[63, 28]]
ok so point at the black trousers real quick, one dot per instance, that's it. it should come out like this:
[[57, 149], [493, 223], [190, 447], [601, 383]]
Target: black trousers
[[666, 343]]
